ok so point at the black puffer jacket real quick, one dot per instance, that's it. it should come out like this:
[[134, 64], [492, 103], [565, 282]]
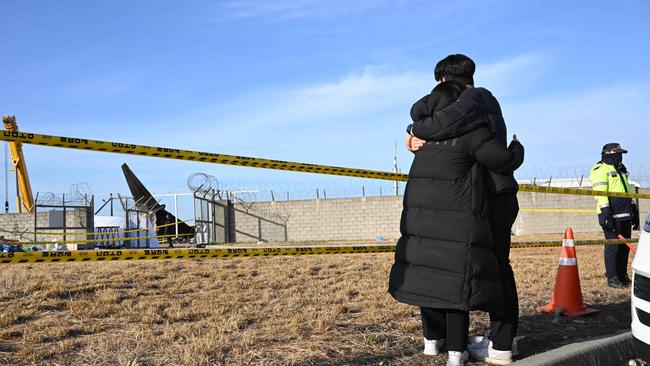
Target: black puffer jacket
[[444, 258], [473, 104]]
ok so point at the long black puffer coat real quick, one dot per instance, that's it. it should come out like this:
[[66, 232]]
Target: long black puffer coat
[[444, 258]]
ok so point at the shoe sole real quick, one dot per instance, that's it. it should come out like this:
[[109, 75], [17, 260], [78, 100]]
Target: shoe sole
[[494, 361], [478, 339]]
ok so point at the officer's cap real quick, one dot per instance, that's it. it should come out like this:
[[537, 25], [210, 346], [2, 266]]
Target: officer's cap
[[613, 148]]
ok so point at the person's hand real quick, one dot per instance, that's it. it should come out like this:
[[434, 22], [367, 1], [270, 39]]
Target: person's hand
[[413, 143], [416, 143]]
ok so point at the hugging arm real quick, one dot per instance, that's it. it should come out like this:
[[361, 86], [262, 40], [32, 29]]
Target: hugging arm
[[494, 156], [468, 107]]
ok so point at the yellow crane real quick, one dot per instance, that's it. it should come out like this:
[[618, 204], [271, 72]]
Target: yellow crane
[[25, 199]]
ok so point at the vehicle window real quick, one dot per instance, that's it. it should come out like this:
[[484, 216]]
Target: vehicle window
[[646, 227]]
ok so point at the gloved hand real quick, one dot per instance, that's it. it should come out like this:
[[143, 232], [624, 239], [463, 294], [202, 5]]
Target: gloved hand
[[606, 219], [636, 221]]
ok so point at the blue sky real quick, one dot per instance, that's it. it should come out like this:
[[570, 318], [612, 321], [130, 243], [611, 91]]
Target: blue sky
[[320, 81]]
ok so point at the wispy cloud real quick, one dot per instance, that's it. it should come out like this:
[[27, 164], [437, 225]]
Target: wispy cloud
[[575, 125], [284, 10], [360, 99], [100, 85], [289, 10], [515, 75]]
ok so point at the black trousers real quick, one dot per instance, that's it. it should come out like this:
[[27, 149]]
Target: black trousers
[[450, 324], [503, 325], [616, 255]]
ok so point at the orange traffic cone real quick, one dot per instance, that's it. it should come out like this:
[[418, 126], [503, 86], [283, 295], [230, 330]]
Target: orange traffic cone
[[567, 295]]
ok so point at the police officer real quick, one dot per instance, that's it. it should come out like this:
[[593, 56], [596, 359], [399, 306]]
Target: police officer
[[616, 215]]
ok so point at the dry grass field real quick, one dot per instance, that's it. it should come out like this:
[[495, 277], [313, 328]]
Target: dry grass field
[[317, 310]]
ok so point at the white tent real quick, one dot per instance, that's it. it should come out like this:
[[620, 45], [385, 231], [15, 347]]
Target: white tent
[[113, 227]]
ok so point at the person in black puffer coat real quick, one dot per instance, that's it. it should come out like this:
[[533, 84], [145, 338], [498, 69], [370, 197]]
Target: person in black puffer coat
[[444, 261]]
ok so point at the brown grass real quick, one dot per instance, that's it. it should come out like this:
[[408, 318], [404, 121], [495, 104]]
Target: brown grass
[[318, 310]]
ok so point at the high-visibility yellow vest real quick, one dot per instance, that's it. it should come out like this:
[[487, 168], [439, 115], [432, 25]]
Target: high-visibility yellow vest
[[604, 177]]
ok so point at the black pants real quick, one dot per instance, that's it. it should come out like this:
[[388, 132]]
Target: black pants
[[503, 212], [616, 255], [450, 324]]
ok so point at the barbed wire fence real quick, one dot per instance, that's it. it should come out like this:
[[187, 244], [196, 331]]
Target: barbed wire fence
[[545, 175]]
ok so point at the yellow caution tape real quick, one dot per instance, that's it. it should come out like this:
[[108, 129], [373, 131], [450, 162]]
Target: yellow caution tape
[[84, 233], [208, 157], [158, 254], [556, 210], [102, 240], [153, 254], [580, 192], [558, 243], [173, 153]]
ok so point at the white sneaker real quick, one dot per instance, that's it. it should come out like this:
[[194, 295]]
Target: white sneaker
[[457, 358], [432, 348], [477, 339], [483, 351]]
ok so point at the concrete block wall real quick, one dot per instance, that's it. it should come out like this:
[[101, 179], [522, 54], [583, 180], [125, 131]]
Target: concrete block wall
[[19, 226], [548, 223], [326, 219], [541, 222], [251, 223], [346, 219]]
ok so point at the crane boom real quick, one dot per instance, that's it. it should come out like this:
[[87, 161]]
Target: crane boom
[[26, 199]]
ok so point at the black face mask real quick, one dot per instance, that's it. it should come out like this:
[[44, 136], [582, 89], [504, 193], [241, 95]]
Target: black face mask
[[613, 159]]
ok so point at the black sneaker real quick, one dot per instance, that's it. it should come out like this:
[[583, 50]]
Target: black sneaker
[[614, 282]]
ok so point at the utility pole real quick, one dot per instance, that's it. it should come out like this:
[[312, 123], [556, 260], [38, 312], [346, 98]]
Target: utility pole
[[395, 170]]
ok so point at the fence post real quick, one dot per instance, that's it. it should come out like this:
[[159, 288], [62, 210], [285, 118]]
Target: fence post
[[317, 195], [272, 196], [259, 229], [363, 191], [286, 233], [230, 222], [64, 219], [324, 194], [36, 216]]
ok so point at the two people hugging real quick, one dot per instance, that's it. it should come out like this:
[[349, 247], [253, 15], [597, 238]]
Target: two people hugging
[[459, 207]]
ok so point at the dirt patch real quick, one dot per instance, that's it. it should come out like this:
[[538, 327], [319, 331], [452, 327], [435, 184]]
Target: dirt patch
[[318, 310]]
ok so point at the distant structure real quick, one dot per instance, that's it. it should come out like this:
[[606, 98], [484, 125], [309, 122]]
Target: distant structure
[[395, 170], [143, 198]]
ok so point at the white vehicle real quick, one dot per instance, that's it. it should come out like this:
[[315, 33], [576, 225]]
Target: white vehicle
[[641, 294]]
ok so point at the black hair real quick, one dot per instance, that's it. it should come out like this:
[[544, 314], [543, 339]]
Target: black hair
[[444, 94], [456, 67]]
